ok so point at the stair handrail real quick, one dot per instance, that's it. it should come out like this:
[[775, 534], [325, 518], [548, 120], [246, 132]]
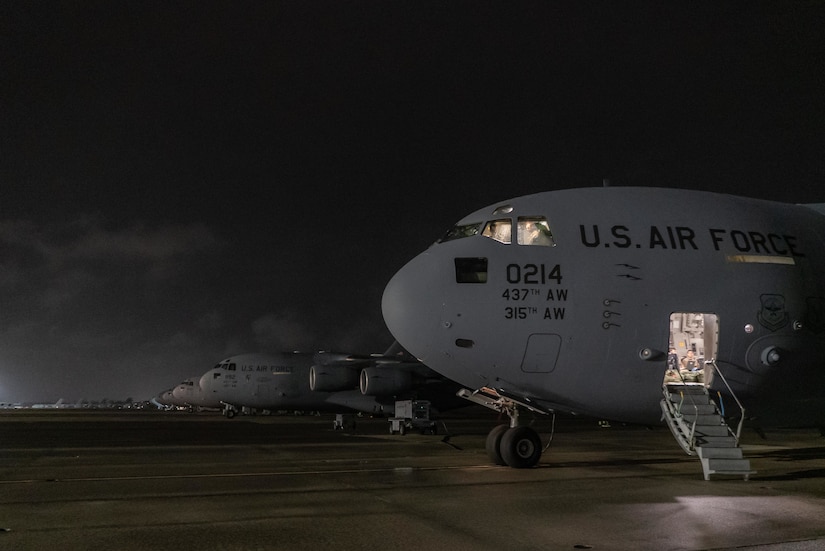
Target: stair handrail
[[692, 434], [684, 436], [687, 429], [718, 371]]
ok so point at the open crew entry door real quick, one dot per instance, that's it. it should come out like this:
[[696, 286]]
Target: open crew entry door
[[694, 341]]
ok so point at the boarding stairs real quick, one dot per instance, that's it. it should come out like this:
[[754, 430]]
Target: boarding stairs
[[700, 429]]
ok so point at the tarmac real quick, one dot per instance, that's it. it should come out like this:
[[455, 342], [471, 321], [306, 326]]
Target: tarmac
[[74, 479]]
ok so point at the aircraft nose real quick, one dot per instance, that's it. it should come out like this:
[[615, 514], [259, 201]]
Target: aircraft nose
[[411, 305], [205, 382], [164, 397]]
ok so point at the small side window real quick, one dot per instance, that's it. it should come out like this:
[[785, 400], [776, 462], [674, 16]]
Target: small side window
[[534, 230], [460, 232], [471, 270], [499, 230]]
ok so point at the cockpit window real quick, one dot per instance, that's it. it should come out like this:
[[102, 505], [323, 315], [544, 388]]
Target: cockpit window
[[534, 230], [500, 230], [228, 367], [460, 232], [530, 230]]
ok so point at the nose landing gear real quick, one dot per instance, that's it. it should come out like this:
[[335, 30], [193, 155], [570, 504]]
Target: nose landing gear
[[513, 445], [229, 411]]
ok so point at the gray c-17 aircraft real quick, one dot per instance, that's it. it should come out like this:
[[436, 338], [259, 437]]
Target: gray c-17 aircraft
[[572, 300], [163, 400], [323, 382], [190, 394], [187, 394]]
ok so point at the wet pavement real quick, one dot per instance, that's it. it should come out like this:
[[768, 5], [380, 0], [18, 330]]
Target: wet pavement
[[161, 480]]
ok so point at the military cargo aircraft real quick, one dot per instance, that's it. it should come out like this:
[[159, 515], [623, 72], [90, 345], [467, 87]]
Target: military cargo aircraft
[[166, 399], [189, 394], [323, 381], [573, 300]]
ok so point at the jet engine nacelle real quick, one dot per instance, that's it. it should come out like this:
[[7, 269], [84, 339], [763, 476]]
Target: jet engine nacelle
[[377, 381], [327, 378]]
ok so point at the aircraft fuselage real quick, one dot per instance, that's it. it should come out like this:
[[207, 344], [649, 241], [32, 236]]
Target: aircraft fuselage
[[580, 319]]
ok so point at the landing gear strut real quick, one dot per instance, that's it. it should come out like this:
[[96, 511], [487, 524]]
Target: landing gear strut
[[229, 411], [514, 445]]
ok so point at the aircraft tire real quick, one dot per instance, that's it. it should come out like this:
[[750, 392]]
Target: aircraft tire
[[493, 444], [229, 413], [521, 447]]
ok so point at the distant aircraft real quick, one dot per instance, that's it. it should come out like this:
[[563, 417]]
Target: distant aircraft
[[570, 301], [322, 382], [60, 404], [185, 394], [190, 394], [164, 399]]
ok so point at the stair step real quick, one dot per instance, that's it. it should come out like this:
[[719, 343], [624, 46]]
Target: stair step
[[711, 430], [716, 441], [739, 467], [700, 409], [676, 388], [689, 399], [701, 419], [719, 453], [728, 465]]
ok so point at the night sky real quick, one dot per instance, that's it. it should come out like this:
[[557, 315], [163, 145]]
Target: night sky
[[184, 181]]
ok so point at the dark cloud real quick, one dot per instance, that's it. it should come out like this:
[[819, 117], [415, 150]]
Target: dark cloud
[[86, 307]]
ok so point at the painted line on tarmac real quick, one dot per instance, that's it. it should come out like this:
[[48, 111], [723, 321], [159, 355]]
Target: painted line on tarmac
[[398, 470]]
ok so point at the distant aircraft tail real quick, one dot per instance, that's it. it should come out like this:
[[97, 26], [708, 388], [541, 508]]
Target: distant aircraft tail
[[398, 351]]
